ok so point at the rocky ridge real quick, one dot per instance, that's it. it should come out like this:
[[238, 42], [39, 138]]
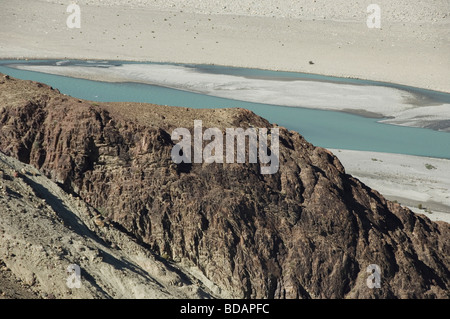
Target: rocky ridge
[[308, 231]]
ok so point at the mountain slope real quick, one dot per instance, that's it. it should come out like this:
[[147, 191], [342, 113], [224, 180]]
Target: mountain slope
[[308, 231], [43, 230]]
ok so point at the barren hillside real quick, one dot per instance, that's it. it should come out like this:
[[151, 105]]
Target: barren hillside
[[43, 230]]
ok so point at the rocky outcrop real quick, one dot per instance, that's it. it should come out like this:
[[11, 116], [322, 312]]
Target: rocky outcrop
[[308, 231]]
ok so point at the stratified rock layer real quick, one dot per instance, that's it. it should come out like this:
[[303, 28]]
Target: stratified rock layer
[[308, 231]]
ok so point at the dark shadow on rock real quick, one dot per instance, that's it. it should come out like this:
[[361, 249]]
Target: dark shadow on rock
[[60, 209]]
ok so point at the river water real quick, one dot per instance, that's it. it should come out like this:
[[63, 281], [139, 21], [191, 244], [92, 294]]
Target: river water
[[330, 129]]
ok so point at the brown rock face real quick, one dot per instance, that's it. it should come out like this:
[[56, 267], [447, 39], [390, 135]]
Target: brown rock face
[[308, 231]]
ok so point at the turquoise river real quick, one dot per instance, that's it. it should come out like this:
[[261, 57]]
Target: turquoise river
[[328, 129]]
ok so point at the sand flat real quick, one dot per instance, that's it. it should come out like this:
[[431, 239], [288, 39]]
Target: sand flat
[[414, 181], [410, 48]]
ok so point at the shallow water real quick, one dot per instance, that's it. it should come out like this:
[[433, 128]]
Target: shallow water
[[328, 129]]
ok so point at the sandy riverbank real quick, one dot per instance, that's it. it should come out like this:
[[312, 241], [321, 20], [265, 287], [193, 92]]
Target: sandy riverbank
[[410, 48], [413, 181]]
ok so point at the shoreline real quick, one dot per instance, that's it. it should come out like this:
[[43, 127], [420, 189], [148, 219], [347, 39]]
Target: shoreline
[[390, 84], [392, 104]]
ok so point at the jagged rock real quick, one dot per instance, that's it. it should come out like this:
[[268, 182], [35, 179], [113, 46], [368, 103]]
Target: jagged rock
[[308, 231]]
